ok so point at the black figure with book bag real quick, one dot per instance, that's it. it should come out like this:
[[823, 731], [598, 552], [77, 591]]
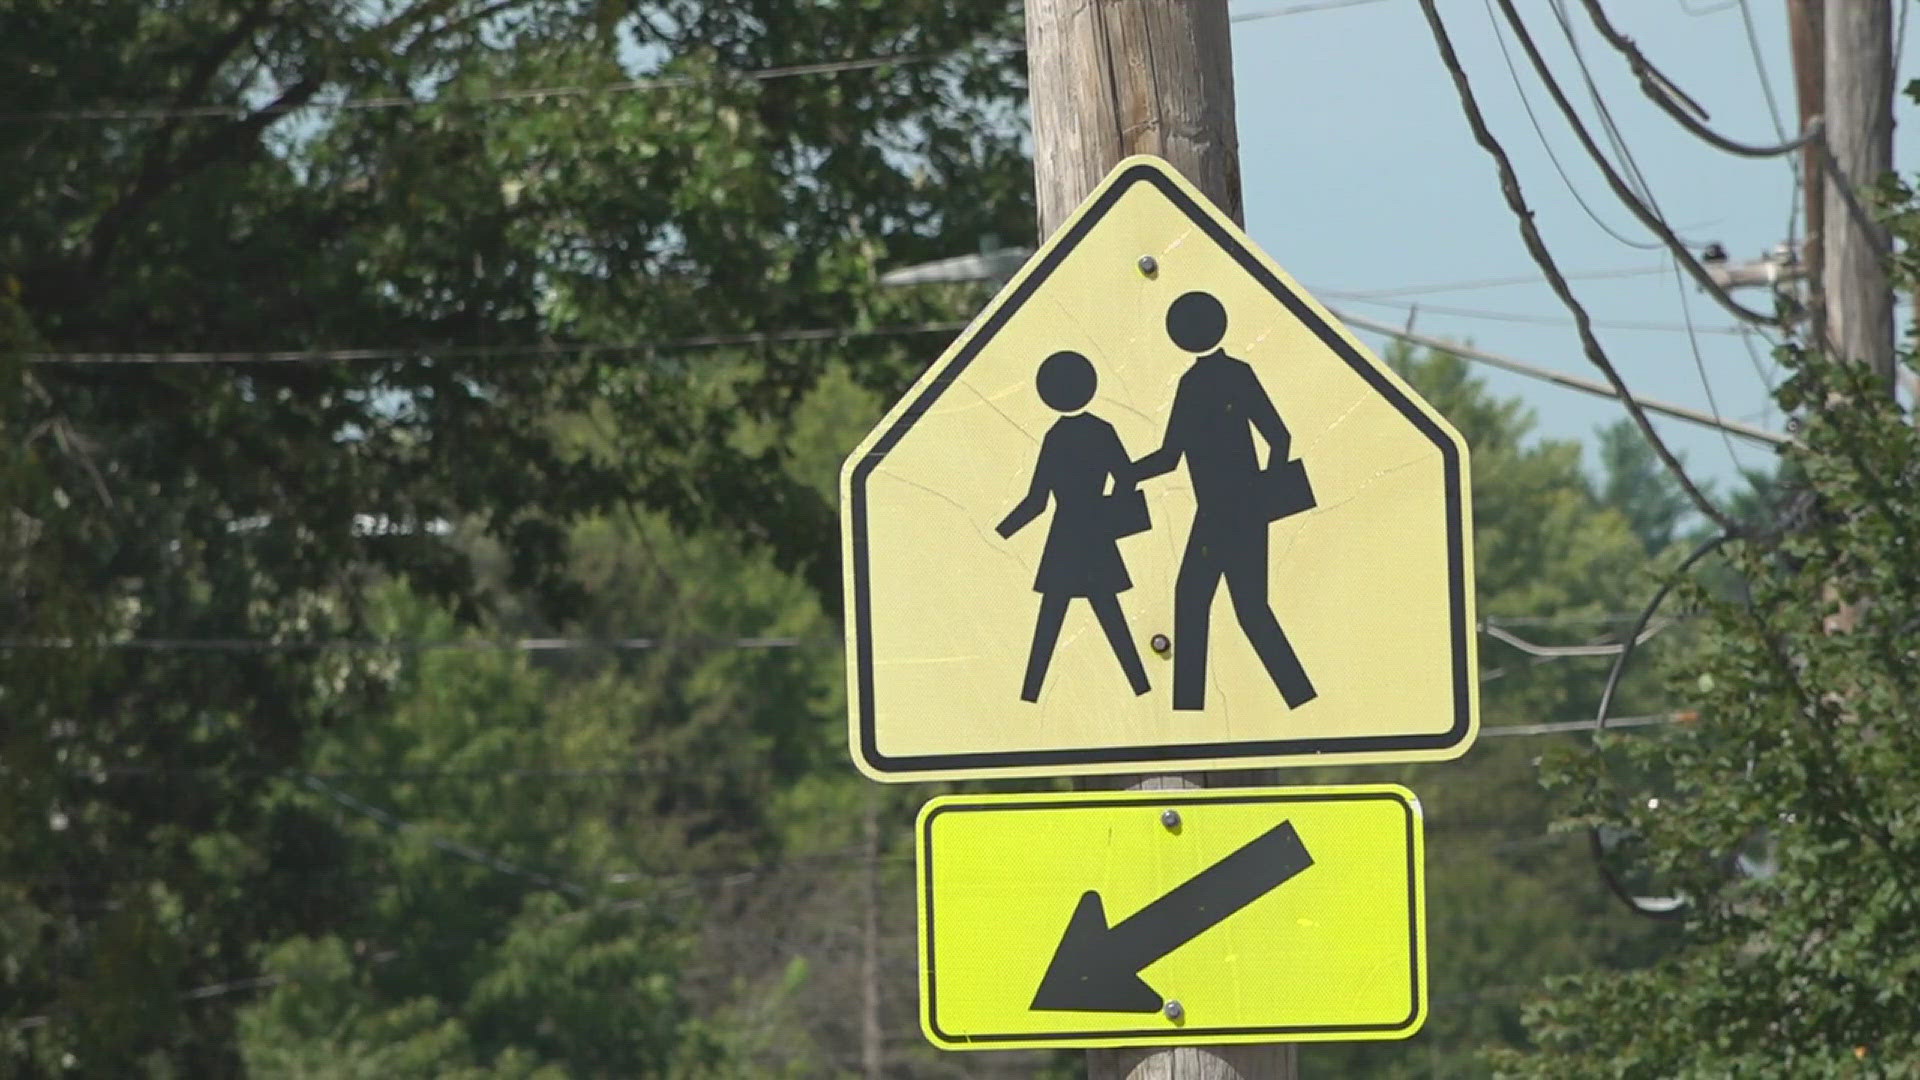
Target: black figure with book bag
[[1081, 557], [1217, 407]]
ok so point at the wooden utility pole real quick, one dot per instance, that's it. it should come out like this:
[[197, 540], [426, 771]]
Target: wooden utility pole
[[1806, 27], [1110, 78], [1851, 299], [872, 1048], [1858, 115]]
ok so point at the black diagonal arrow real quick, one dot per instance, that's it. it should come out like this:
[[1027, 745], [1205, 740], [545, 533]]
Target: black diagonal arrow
[[1097, 967]]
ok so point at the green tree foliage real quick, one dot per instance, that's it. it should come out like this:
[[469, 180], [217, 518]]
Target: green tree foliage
[[1785, 816], [39, 598], [513, 886], [656, 852], [503, 267]]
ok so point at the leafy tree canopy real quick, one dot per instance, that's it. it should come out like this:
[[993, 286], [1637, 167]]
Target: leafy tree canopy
[[1784, 816], [538, 245]]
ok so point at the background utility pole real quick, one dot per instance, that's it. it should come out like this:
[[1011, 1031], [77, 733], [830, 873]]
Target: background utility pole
[[1859, 124], [1111, 78], [1806, 27]]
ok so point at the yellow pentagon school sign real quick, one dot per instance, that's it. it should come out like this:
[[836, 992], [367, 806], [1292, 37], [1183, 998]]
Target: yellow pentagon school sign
[[1166, 918], [1156, 507]]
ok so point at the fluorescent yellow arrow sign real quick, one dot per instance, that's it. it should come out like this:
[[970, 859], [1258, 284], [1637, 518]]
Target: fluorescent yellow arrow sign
[[1078, 919]]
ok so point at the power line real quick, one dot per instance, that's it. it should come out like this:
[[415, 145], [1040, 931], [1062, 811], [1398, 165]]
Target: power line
[[1555, 652], [1612, 618], [1661, 92], [1537, 248], [529, 645], [398, 775], [1665, 90], [1491, 283], [1700, 364], [532, 93], [1539, 320], [468, 352], [1768, 375], [1765, 78], [1540, 131], [1647, 216], [1601, 721], [440, 843], [1300, 9], [577, 90], [1613, 390], [766, 337], [1612, 130], [1565, 727], [1544, 654], [524, 645], [1760, 70]]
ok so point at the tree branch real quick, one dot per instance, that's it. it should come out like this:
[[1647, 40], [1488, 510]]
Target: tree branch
[[158, 180], [211, 61], [153, 163], [460, 23], [158, 175]]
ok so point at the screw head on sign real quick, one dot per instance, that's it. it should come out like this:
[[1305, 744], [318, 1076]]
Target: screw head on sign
[[1170, 818], [1161, 643], [1149, 265], [1173, 1009]]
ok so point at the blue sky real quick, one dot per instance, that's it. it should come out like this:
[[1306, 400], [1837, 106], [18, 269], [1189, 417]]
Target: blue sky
[[1361, 174]]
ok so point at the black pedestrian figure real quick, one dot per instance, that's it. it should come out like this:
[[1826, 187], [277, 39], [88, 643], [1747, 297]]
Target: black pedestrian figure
[[1217, 405], [1082, 552]]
